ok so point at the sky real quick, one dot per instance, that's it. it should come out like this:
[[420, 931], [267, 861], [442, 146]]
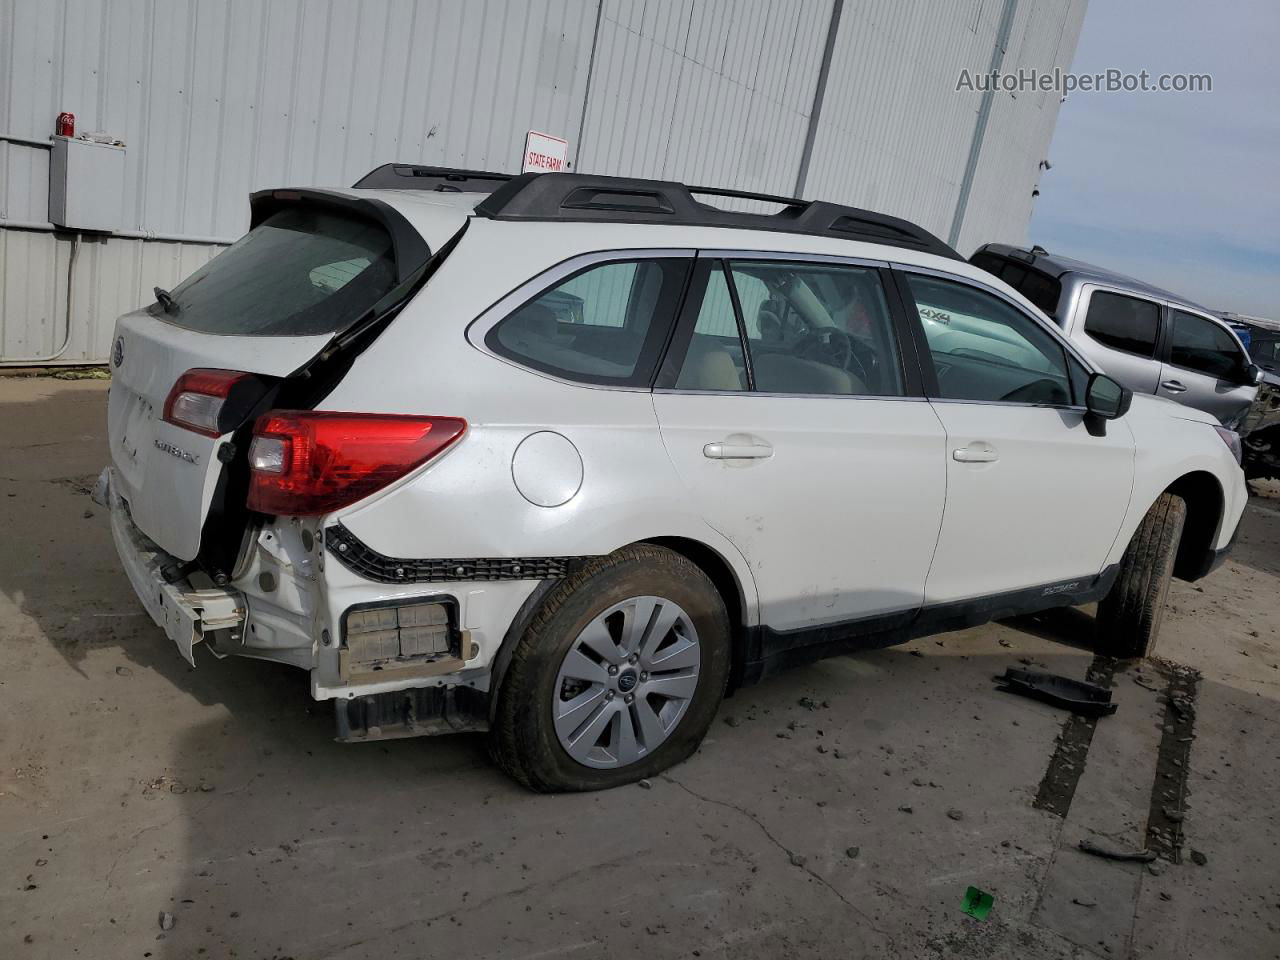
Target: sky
[[1178, 189]]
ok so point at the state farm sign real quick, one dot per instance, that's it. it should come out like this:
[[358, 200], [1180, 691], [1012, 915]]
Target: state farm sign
[[544, 153]]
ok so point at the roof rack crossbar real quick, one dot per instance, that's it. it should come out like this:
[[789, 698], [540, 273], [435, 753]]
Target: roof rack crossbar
[[587, 197]]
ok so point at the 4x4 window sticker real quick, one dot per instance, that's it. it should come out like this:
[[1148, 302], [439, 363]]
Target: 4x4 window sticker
[[1045, 323]]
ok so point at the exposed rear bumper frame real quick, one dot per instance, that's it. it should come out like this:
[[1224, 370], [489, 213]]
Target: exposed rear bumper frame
[[185, 613]]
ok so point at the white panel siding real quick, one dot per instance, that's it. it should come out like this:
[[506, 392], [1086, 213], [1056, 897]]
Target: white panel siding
[[216, 98], [895, 134], [111, 276], [1020, 128], [715, 93]]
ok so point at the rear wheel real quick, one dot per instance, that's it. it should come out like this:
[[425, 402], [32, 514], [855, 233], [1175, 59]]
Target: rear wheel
[[618, 676], [1130, 615]]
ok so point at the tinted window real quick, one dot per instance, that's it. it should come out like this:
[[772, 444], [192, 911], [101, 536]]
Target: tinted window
[[817, 329], [985, 349], [303, 271], [1200, 344], [605, 324], [1040, 288], [1265, 351], [1123, 323]]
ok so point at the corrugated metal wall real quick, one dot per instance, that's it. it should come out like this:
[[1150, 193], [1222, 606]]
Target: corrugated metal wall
[[216, 98]]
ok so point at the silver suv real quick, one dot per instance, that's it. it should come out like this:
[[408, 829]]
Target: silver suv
[[1151, 340]]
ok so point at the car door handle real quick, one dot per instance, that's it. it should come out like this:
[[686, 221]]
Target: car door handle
[[737, 451], [1173, 386], [976, 453]]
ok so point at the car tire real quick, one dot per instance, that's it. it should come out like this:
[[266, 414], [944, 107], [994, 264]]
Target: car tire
[[531, 740], [1129, 616]]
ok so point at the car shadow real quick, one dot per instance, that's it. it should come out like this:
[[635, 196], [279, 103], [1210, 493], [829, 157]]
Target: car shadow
[[1070, 626]]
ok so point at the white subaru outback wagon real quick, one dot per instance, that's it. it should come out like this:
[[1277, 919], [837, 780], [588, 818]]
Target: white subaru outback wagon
[[565, 457]]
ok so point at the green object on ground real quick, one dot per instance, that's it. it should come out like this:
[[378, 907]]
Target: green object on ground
[[977, 903]]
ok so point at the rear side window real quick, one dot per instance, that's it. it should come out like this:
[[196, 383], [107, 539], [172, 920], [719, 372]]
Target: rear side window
[[1038, 287], [304, 271], [792, 328], [1123, 323], [1201, 345], [715, 359], [603, 325], [817, 329]]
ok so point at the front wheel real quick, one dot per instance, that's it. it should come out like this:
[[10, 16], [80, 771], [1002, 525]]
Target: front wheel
[[618, 676], [1129, 616]]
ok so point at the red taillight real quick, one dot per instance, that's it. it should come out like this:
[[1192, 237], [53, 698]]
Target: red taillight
[[306, 462], [198, 400]]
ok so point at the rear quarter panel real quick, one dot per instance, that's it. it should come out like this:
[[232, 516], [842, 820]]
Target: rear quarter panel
[[465, 504]]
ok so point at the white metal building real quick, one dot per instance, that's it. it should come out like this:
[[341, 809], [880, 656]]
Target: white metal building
[[847, 100]]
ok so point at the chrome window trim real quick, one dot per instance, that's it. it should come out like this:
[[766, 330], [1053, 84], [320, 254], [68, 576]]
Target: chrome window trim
[[785, 396], [1052, 329], [1006, 403], [478, 329]]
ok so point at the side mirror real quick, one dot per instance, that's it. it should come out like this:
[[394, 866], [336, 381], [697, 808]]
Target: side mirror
[[1252, 375], [1105, 399]]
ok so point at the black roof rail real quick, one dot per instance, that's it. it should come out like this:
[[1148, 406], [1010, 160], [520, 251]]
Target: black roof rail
[[411, 176], [587, 197]]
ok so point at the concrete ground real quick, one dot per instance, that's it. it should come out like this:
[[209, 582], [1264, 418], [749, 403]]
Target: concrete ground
[[841, 810]]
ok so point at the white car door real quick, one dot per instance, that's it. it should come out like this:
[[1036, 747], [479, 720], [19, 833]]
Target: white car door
[[1034, 499], [789, 416]]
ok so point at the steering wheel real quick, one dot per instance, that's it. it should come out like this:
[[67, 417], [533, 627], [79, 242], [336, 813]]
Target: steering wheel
[[832, 346], [1043, 390]]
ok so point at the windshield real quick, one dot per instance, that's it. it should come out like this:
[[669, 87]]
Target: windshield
[[303, 271]]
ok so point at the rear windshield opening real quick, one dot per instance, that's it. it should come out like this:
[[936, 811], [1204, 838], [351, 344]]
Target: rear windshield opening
[[303, 271], [1040, 288]]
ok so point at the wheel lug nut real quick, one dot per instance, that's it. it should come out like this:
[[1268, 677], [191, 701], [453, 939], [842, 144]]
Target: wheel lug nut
[[609, 695], [613, 671], [629, 698], [643, 675], [634, 658]]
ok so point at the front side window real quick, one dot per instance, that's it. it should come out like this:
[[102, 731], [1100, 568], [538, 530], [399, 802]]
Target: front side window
[[985, 349], [1201, 345], [605, 324], [811, 329], [1123, 323]]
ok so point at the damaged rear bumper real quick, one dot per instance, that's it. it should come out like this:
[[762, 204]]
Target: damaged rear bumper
[[185, 612]]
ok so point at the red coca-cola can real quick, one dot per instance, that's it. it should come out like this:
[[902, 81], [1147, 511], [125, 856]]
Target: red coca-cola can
[[65, 125]]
